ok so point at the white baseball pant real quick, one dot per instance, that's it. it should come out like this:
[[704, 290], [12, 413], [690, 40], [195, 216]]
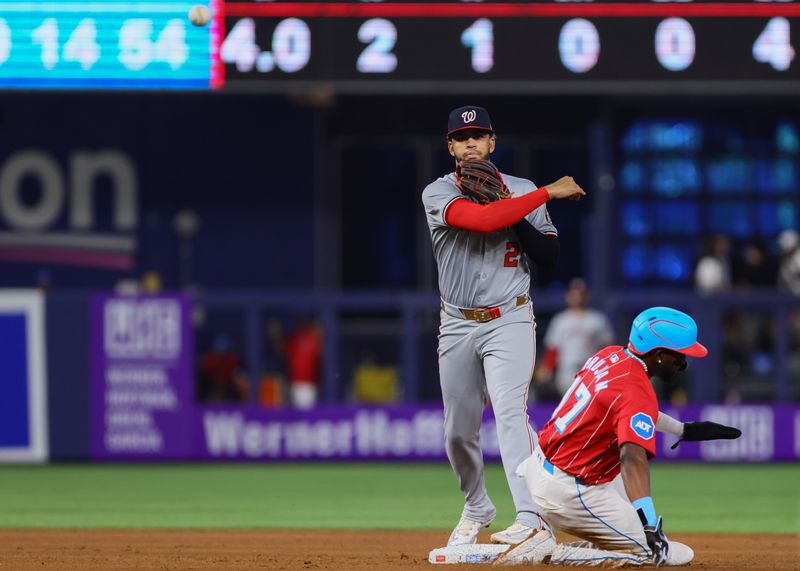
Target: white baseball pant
[[601, 514]]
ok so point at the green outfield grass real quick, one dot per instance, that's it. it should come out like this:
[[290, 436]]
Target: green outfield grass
[[725, 498]]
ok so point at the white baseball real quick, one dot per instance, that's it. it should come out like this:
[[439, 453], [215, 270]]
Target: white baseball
[[199, 15]]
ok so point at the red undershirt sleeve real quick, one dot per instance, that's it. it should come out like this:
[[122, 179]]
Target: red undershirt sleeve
[[485, 218]]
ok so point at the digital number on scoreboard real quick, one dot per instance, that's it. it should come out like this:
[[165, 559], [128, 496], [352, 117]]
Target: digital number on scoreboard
[[102, 44], [403, 46], [400, 45]]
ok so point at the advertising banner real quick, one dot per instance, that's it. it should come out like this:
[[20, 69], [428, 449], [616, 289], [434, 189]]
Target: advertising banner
[[23, 377], [141, 377], [143, 408], [415, 433]]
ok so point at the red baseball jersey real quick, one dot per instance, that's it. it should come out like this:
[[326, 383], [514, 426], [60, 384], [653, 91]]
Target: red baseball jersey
[[611, 402]]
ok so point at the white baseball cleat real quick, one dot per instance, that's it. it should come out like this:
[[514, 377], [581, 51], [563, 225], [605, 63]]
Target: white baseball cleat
[[466, 532], [679, 554], [536, 549], [516, 533]]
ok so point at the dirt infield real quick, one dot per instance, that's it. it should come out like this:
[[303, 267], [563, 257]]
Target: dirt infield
[[316, 550]]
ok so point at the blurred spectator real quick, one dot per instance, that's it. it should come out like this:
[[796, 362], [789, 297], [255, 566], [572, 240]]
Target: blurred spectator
[[303, 349], [789, 272], [734, 353], [713, 272], [794, 353], [221, 377], [373, 382], [754, 269], [748, 346], [794, 331], [127, 286], [272, 387], [271, 390], [734, 344], [762, 357], [151, 282], [573, 336]]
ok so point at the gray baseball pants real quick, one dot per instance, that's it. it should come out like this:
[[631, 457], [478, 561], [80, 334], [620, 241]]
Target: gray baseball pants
[[479, 362]]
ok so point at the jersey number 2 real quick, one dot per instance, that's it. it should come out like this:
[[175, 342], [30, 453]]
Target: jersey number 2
[[582, 398], [512, 255]]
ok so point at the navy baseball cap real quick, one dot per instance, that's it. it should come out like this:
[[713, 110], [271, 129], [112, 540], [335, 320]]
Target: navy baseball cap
[[469, 117]]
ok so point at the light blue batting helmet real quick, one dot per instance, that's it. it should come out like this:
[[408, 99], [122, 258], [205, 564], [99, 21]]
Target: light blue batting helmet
[[665, 328]]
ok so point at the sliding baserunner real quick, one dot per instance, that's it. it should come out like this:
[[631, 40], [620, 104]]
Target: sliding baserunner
[[589, 474]]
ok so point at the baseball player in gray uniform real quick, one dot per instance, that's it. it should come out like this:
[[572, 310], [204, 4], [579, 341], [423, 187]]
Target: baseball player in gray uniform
[[487, 333]]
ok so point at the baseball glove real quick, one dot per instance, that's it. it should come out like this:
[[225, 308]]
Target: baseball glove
[[481, 181], [697, 431]]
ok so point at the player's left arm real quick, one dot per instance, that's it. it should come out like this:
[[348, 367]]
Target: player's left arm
[[541, 248], [637, 444], [669, 425], [536, 232], [635, 470], [635, 430], [695, 431]]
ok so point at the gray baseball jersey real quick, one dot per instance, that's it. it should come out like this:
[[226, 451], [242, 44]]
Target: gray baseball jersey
[[492, 359], [479, 270]]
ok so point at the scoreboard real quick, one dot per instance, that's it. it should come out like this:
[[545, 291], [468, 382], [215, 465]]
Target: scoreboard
[[104, 44], [404, 47], [515, 47]]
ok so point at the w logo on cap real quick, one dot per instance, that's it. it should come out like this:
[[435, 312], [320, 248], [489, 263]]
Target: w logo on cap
[[468, 117]]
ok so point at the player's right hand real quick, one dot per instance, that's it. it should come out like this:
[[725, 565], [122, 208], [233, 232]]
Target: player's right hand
[[565, 187], [657, 541]]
